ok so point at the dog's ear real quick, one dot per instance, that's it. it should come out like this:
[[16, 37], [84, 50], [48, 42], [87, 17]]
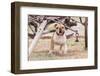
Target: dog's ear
[[55, 25]]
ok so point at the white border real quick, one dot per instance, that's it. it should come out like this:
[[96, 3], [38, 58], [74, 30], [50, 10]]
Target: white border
[[24, 11]]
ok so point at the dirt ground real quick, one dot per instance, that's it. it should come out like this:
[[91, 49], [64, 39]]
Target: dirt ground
[[76, 50]]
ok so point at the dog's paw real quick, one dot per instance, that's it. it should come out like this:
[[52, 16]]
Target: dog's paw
[[64, 52], [60, 52], [50, 52]]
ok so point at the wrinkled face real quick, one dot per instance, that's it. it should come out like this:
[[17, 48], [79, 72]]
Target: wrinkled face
[[60, 29]]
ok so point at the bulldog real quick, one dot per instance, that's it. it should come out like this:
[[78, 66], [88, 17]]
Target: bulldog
[[58, 38]]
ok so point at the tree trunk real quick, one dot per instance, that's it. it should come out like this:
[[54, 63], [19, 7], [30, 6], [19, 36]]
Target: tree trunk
[[86, 33]]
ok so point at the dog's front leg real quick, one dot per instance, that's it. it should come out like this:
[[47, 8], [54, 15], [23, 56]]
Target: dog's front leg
[[65, 48], [51, 47]]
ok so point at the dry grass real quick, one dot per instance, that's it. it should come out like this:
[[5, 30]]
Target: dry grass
[[76, 50]]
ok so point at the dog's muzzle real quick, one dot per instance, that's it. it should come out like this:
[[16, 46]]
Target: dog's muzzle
[[60, 33]]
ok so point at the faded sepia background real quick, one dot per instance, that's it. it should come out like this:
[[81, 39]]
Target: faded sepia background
[[76, 49]]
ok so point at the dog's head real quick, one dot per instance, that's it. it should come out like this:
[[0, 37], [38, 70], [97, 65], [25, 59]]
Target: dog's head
[[60, 29]]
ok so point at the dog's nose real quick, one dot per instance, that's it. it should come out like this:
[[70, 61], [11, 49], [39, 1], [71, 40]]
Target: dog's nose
[[59, 31]]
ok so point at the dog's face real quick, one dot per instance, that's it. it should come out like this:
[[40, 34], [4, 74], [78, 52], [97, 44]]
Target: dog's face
[[60, 29]]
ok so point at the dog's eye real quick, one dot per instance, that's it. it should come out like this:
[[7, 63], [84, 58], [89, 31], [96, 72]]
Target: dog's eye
[[56, 27]]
